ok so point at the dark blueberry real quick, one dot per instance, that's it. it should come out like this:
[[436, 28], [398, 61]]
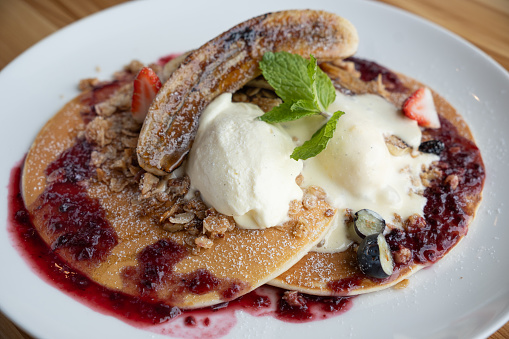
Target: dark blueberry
[[432, 146], [374, 257], [367, 222]]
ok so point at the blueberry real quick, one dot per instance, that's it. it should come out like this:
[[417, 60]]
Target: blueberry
[[367, 222], [432, 146], [374, 257]]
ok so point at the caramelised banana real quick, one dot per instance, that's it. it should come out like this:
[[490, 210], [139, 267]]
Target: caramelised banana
[[225, 64]]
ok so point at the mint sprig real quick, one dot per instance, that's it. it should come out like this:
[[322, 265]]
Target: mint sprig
[[318, 141], [305, 90]]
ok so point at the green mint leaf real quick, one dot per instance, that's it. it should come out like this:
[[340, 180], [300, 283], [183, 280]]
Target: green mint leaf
[[325, 89], [284, 112], [305, 90], [287, 74], [318, 141], [305, 106], [312, 74]]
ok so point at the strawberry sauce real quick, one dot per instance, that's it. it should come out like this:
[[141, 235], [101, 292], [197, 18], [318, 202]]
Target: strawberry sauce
[[74, 222], [142, 311]]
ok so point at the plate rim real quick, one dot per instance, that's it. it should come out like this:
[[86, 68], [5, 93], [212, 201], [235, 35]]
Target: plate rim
[[68, 28]]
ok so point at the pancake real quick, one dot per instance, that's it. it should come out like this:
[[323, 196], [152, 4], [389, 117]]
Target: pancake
[[339, 273], [237, 263]]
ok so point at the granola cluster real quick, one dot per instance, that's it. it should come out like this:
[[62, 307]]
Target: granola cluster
[[259, 92], [166, 199]]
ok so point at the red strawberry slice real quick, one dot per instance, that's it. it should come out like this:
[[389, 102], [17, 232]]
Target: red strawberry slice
[[146, 86], [420, 107]]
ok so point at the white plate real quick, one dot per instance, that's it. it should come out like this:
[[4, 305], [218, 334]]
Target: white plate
[[464, 295]]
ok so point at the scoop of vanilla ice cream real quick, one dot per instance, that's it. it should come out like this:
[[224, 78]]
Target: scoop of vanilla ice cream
[[357, 157], [242, 166]]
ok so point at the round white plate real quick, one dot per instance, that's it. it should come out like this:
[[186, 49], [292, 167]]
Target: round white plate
[[464, 295]]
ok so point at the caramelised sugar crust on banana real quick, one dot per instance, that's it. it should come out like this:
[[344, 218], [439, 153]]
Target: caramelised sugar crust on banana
[[225, 64]]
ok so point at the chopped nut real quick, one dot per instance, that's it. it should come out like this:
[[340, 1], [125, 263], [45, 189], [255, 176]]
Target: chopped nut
[[119, 164], [240, 97], [148, 182], [309, 201], [402, 256], [134, 66], [396, 146], [110, 152], [329, 212], [168, 213], [203, 241], [266, 104], [178, 186], [192, 230], [299, 179], [182, 218], [95, 131], [189, 240], [380, 86], [348, 66], [397, 220], [317, 191], [101, 175], [217, 223], [299, 230], [453, 181], [196, 250], [105, 109], [133, 169], [197, 207], [118, 184], [295, 207], [173, 227], [129, 142], [97, 158], [252, 91], [414, 222], [430, 174]]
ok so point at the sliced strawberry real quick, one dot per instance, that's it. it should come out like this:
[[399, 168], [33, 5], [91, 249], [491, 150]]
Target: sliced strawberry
[[420, 107], [146, 86]]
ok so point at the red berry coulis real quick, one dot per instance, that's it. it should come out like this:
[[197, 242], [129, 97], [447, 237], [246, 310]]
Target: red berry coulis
[[66, 196]]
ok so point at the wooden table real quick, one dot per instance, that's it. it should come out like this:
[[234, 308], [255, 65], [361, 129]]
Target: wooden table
[[485, 23]]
